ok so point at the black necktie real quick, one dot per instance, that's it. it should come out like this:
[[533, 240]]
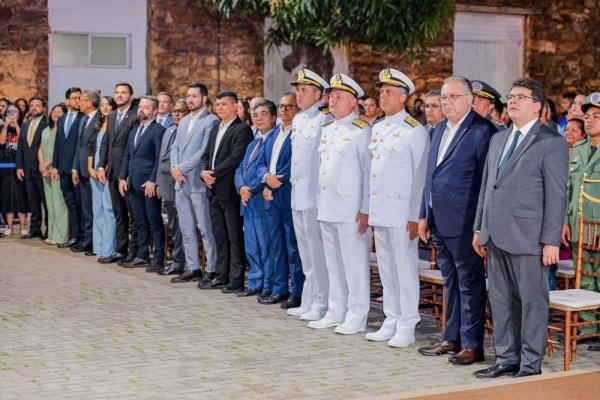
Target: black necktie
[[509, 153], [592, 151], [172, 139]]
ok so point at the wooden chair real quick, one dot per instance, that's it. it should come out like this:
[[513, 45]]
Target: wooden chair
[[566, 273], [572, 301], [432, 290]]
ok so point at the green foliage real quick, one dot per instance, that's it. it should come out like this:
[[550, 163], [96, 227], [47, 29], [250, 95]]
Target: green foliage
[[384, 24]]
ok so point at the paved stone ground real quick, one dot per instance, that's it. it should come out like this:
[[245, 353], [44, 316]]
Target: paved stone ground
[[71, 328]]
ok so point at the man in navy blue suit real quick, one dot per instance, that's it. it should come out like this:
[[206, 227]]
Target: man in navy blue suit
[[62, 163], [275, 168], [138, 177], [455, 165], [249, 184]]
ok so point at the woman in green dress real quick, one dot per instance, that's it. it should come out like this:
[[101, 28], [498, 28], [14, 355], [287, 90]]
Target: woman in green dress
[[58, 222]]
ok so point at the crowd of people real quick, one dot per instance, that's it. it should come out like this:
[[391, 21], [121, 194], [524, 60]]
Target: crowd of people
[[283, 201]]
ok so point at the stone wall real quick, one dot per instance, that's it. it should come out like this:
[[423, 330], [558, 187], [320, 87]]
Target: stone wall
[[427, 69], [23, 48], [183, 48], [563, 47]]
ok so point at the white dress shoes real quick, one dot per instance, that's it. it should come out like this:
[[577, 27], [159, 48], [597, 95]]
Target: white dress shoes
[[323, 323]]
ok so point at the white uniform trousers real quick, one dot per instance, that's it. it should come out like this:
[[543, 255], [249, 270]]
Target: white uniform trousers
[[193, 214], [347, 259], [398, 264], [312, 255]]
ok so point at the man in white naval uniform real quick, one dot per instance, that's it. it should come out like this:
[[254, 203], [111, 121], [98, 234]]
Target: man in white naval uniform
[[343, 205], [306, 134], [399, 147]]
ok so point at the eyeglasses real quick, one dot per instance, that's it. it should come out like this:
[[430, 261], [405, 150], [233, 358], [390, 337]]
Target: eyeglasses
[[178, 111], [452, 97], [287, 107], [519, 97], [74, 98], [589, 117]]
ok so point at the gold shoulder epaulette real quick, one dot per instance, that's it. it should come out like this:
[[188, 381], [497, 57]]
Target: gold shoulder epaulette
[[328, 122], [360, 123], [325, 110], [411, 121]]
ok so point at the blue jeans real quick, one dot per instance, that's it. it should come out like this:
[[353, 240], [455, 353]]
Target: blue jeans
[[104, 239]]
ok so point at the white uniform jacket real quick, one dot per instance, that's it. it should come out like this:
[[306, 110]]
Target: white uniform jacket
[[399, 148], [344, 170]]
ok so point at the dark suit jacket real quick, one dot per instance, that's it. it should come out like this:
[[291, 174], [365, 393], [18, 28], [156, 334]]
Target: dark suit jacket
[[140, 161], [522, 208], [453, 186], [64, 148], [246, 175], [229, 156], [115, 142], [27, 156], [82, 149], [282, 196]]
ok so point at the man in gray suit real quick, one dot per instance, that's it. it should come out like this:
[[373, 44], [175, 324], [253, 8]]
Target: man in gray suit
[[518, 224], [190, 197], [88, 104], [166, 191]]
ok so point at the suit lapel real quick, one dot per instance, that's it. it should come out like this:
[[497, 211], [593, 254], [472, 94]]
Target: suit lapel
[[593, 160], [462, 130], [498, 150], [521, 148], [188, 135], [436, 140], [225, 136]]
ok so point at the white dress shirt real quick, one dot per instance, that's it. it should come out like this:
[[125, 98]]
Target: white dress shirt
[[193, 119], [279, 140], [524, 131], [90, 117], [448, 136], [222, 129]]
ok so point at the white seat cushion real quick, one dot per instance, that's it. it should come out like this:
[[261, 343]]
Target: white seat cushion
[[430, 273], [567, 268], [424, 264], [575, 298]]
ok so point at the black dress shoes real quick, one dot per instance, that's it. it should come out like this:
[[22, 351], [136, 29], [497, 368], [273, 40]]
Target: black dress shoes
[[209, 277], [114, 257], [69, 243], [89, 253], [274, 298], [263, 295], [212, 285], [155, 266], [78, 248], [32, 235], [232, 290], [129, 258], [171, 271], [292, 302], [188, 276], [136, 263], [247, 292], [523, 374], [496, 370], [440, 348]]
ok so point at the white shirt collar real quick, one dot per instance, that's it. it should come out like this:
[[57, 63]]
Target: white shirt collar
[[400, 115], [452, 126], [525, 128]]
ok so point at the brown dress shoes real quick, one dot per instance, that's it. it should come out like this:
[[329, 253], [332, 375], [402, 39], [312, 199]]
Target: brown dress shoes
[[467, 357], [440, 348]]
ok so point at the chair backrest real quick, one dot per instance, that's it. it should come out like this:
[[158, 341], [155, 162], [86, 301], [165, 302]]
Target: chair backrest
[[589, 233]]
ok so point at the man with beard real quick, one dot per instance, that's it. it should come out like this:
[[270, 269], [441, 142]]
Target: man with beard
[[120, 122], [138, 177], [190, 190], [28, 164]]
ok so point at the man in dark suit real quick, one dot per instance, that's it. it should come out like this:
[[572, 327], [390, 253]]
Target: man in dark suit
[[28, 165], [454, 169], [519, 220], [223, 154], [62, 162], [120, 123], [88, 105], [138, 178]]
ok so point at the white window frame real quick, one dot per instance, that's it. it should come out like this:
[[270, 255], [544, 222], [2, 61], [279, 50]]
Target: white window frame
[[91, 35]]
